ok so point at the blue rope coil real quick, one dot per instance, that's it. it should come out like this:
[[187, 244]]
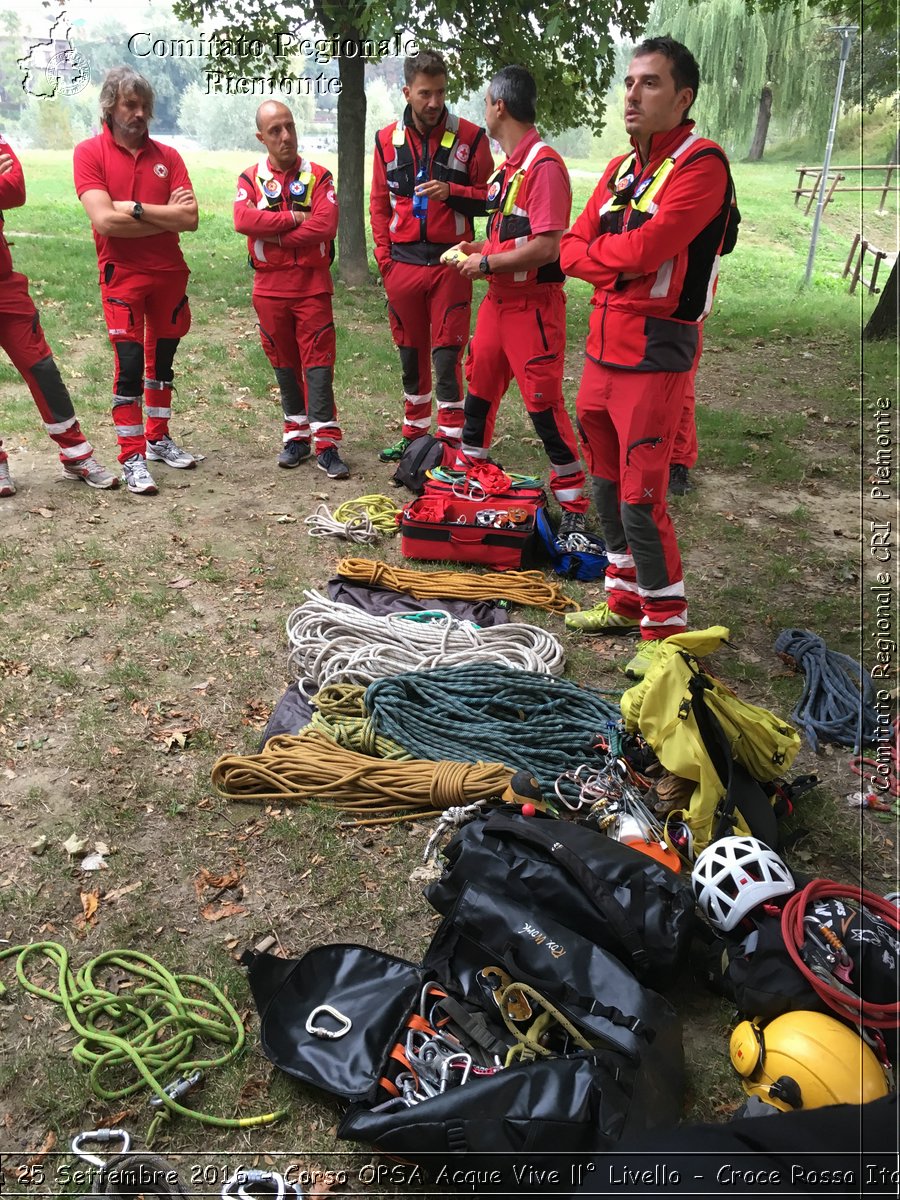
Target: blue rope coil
[[491, 713], [837, 704]]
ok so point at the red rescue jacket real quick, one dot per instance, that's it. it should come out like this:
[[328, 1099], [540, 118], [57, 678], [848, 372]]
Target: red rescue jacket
[[508, 221], [264, 205], [649, 240], [12, 195], [457, 153]]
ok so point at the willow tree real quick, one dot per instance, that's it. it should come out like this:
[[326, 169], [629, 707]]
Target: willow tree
[[754, 65]]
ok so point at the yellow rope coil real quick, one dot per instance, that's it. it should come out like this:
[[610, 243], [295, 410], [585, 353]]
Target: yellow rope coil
[[381, 511], [520, 587], [341, 714], [311, 767]]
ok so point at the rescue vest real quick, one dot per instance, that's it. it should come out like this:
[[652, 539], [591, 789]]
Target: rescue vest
[[270, 195], [448, 221], [508, 225], [633, 200]]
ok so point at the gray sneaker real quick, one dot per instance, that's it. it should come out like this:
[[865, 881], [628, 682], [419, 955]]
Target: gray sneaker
[[89, 471], [572, 522], [7, 487], [166, 451], [332, 464], [136, 476]]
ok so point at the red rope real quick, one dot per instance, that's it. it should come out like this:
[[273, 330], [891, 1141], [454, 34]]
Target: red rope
[[862, 1012]]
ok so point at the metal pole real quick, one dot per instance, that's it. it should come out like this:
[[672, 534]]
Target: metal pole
[[847, 33]]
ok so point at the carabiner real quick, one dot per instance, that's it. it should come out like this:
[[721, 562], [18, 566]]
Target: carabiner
[[103, 1136]]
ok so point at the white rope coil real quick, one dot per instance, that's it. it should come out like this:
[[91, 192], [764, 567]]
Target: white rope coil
[[337, 643], [322, 523]]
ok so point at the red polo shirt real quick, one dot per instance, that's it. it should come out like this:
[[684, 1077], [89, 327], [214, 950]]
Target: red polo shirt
[[150, 176]]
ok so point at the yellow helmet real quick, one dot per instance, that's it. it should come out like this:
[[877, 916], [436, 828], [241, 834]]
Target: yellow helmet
[[805, 1060]]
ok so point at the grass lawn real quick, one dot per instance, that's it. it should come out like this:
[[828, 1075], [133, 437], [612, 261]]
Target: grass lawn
[[103, 657]]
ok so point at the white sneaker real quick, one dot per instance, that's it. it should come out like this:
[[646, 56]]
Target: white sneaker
[[166, 451], [136, 476], [7, 487], [89, 471]]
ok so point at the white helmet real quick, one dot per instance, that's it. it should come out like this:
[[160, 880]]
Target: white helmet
[[734, 875]]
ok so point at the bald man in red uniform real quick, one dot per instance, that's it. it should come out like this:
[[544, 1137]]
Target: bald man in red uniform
[[287, 208]]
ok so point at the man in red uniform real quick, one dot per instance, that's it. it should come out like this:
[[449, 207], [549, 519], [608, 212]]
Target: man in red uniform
[[521, 326], [649, 241], [139, 197], [23, 340], [429, 180], [287, 208]]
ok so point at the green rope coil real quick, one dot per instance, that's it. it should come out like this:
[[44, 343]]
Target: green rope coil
[[492, 713], [340, 713], [148, 1030]]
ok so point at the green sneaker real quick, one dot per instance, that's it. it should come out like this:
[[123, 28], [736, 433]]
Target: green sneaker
[[394, 453], [601, 620], [645, 657]]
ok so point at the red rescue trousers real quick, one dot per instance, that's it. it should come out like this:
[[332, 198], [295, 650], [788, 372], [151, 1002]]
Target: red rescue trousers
[[628, 421], [23, 340], [297, 335], [684, 450], [146, 316], [523, 336], [429, 310]]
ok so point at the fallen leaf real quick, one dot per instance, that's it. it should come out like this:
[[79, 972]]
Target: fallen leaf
[[215, 912], [101, 848], [118, 893], [74, 844], [94, 862], [90, 902], [11, 667], [201, 687], [46, 1146], [181, 583], [206, 879], [39, 845]]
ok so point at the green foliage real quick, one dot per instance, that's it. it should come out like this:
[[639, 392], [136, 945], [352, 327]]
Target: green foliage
[[231, 124], [740, 50]]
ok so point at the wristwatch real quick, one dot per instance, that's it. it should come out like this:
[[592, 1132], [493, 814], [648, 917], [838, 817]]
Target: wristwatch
[[138, 211], [484, 266]]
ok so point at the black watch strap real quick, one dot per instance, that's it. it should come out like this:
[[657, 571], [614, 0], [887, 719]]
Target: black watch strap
[[138, 211], [484, 266]]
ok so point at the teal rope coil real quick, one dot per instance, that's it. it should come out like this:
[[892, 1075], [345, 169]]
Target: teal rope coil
[[491, 713]]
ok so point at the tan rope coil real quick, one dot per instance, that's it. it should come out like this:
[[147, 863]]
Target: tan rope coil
[[310, 767], [519, 587]]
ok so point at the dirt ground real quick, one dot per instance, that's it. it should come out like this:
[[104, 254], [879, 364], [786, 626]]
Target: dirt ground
[[146, 638]]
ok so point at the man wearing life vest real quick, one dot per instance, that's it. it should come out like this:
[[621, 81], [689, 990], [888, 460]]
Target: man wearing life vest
[[286, 207], [23, 340], [520, 331], [429, 180], [649, 241], [139, 198]]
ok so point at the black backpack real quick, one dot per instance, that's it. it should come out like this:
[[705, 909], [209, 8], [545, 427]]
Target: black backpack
[[419, 457]]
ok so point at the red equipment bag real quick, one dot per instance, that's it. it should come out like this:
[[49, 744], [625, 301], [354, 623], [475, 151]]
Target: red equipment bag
[[491, 532]]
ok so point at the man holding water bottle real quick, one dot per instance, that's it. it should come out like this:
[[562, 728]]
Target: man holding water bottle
[[429, 180]]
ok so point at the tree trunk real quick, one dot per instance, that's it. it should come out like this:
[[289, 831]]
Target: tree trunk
[[353, 267], [883, 321], [763, 117]]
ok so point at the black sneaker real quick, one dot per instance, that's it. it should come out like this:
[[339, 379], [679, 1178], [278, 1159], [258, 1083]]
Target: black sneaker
[[294, 453], [679, 480], [572, 522], [332, 464]]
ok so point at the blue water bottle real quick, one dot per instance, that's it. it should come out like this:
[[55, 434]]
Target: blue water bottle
[[420, 203]]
